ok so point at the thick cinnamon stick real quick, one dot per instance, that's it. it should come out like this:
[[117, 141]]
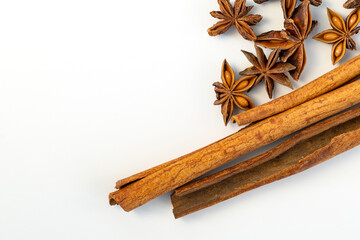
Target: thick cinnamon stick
[[271, 154], [327, 82], [192, 165], [306, 149]]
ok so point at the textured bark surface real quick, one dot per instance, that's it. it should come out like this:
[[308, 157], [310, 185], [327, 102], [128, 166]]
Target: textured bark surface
[[276, 151], [287, 161], [319, 86], [139, 191]]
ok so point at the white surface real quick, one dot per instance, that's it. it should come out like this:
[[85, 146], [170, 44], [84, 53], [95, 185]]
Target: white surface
[[94, 91]]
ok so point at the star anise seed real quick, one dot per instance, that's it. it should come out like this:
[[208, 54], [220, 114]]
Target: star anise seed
[[229, 92], [341, 33], [268, 69], [352, 4], [238, 16]]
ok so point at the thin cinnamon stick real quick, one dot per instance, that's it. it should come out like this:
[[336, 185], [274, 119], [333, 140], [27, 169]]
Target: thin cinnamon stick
[[195, 164], [307, 149], [319, 86]]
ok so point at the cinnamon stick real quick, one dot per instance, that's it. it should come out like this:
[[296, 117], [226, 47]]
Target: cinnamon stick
[[304, 150], [182, 170], [271, 154], [327, 82]]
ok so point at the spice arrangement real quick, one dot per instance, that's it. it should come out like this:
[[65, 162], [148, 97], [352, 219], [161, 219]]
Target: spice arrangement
[[313, 109]]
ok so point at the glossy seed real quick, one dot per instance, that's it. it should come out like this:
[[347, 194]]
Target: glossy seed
[[337, 22], [243, 84], [242, 101], [353, 20], [330, 36], [228, 76], [338, 50]]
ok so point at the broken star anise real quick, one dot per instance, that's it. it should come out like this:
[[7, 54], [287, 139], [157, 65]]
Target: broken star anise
[[229, 92], [341, 33], [268, 69], [238, 16], [291, 41], [352, 4]]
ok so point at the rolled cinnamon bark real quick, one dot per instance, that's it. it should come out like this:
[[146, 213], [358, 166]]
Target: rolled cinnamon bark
[[327, 82], [184, 169], [306, 149], [271, 154]]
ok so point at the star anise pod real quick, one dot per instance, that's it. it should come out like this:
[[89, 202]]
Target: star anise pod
[[238, 16], [315, 2], [268, 69], [352, 4], [341, 33], [288, 6], [229, 92], [291, 41]]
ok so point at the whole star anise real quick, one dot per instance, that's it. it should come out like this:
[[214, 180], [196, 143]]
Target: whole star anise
[[291, 41], [229, 92], [352, 4], [268, 69], [341, 33], [238, 16]]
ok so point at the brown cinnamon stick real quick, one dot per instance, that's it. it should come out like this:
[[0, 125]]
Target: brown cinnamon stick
[[271, 154], [327, 82], [180, 171], [304, 150]]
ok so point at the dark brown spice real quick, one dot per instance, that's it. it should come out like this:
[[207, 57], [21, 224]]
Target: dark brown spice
[[230, 92], [306, 149], [340, 35], [238, 16], [288, 6], [268, 69], [291, 41]]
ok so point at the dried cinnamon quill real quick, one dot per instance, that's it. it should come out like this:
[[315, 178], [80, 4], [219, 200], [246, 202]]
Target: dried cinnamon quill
[[306, 149], [141, 188]]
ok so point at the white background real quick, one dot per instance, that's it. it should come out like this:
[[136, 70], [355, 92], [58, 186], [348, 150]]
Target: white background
[[94, 91]]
